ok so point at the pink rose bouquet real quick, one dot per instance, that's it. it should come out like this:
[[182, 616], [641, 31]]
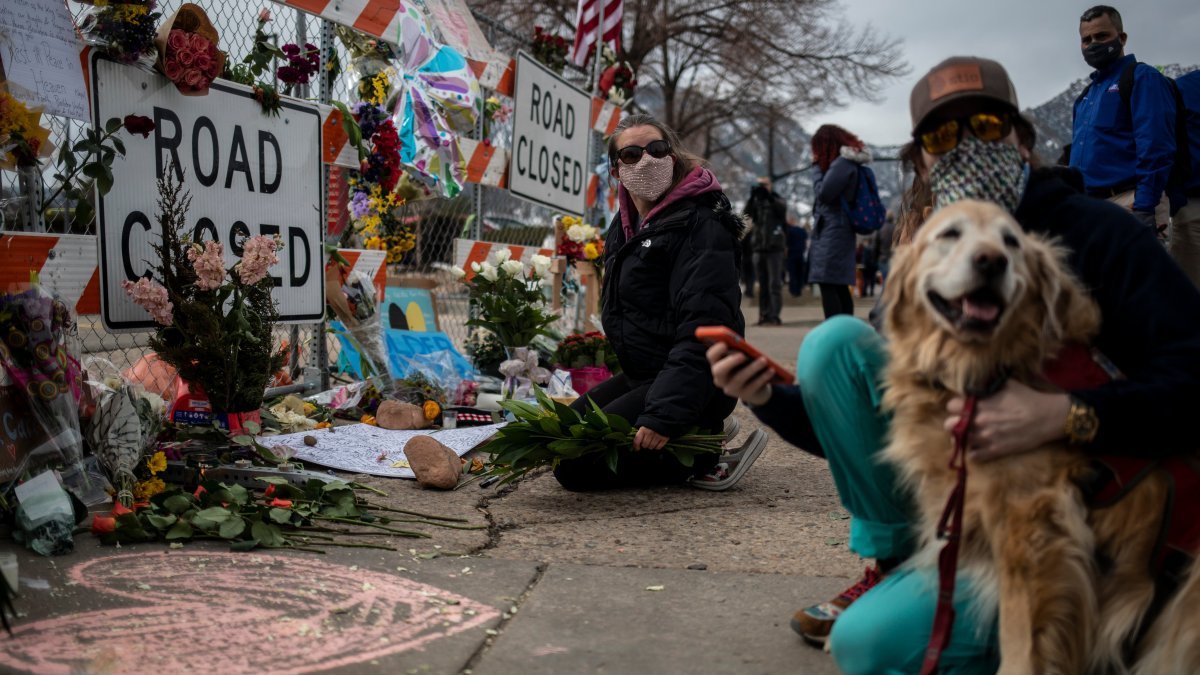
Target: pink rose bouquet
[[187, 51]]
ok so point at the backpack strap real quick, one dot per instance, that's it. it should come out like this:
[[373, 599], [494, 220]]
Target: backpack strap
[[1125, 86]]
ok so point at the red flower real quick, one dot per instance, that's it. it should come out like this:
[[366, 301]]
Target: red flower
[[138, 124], [281, 503], [199, 491], [269, 491], [119, 510], [103, 524]]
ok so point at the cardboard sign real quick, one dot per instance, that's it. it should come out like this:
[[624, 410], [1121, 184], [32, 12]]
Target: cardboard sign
[[41, 57], [552, 135], [247, 173], [409, 309]]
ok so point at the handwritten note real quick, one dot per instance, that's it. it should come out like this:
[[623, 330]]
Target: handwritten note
[[41, 56], [363, 448]]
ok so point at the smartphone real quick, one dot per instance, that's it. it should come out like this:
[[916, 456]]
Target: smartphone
[[714, 334]]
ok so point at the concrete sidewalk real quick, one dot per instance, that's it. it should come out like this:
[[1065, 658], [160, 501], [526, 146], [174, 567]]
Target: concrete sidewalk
[[666, 580]]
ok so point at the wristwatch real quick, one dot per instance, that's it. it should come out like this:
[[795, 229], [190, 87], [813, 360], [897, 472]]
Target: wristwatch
[[1082, 424]]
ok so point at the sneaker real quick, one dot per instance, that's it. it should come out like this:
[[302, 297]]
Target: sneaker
[[732, 466], [814, 623]]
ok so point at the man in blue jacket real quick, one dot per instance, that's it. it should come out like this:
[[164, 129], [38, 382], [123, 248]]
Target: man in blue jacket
[[1185, 225], [1124, 152]]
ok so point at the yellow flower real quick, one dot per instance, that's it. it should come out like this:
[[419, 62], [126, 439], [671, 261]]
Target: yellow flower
[[157, 463], [590, 251], [146, 489]]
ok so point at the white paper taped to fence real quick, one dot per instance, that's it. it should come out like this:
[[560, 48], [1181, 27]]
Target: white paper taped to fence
[[41, 57], [364, 448]]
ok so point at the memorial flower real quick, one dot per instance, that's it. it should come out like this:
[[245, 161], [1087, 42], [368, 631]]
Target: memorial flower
[[509, 298]]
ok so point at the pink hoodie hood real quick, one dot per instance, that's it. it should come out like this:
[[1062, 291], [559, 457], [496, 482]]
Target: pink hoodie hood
[[698, 182]]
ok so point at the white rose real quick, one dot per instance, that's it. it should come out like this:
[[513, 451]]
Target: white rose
[[577, 234], [502, 255], [512, 268], [475, 267], [540, 264], [458, 272], [590, 232], [488, 272]]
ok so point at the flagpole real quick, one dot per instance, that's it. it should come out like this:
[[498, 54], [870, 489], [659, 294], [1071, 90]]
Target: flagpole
[[599, 47]]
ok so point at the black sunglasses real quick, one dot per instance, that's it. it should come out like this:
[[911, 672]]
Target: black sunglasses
[[632, 154]]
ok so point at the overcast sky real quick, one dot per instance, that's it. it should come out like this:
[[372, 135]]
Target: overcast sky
[[1036, 40]]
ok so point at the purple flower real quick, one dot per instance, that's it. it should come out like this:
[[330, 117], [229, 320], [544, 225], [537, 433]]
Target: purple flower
[[358, 205]]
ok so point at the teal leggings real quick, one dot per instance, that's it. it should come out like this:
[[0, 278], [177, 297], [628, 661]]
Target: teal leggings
[[840, 368]]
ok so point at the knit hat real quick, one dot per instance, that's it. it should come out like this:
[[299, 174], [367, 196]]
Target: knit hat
[[960, 77]]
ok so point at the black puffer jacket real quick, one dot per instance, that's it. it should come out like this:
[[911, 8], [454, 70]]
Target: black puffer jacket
[[678, 272]]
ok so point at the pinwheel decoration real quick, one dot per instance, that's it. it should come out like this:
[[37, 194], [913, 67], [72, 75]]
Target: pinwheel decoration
[[439, 96]]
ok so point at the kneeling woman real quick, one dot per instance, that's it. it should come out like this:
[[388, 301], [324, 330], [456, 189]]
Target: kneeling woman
[[671, 264]]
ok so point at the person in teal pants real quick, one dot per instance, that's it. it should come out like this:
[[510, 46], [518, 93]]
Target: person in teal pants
[[973, 143]]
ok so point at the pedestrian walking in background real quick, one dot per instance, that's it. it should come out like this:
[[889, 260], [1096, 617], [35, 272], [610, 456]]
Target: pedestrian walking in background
[[885, 241], [747, 272], [837, 156], [671, 265], [1123, 144], [768, 212], [870, 264], [1185, 224], [797, 258]]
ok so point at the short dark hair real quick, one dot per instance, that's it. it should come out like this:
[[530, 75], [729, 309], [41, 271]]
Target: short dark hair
[[1098, 11]]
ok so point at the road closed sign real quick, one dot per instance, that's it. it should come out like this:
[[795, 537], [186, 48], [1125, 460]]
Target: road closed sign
[[248, 173], [551, 138]]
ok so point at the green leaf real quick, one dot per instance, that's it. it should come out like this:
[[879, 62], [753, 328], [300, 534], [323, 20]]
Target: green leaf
[[243, 439], [118, 144], [240, 495], [93, 170], [232, 528], [244, 545], [180, 530], [105, 182], [274, 480], [281, 516], [619, 423], [611, 459], [216, 514], [267, 534], [111, 126], [179, 503], [160, 522], [252, 426]]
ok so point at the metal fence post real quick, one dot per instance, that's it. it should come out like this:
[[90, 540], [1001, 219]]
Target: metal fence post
[[320, 355]]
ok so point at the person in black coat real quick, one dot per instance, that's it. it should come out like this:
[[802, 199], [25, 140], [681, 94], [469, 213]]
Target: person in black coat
[[672, 261], [1150, 330], [768, 211]]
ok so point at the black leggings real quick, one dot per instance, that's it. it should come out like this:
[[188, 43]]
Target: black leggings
[[836, 299], [625, 397]]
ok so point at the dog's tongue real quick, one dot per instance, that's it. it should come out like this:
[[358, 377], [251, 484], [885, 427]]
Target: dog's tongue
[[981, 310]]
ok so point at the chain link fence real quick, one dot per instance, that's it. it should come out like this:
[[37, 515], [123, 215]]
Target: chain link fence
[[479, 212]]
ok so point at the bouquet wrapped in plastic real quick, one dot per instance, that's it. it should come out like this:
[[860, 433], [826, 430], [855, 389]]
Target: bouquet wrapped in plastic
[[187, 50], [40, 382], [123, 31], [125, 423], [352, 298]]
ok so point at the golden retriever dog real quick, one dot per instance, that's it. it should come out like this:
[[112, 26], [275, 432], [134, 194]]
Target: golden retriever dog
[[974, 298]]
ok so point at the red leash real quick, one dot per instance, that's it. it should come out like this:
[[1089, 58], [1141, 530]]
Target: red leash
[[950, 529]]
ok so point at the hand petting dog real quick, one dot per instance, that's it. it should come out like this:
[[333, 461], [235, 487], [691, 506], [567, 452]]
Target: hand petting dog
[[1015, 419]]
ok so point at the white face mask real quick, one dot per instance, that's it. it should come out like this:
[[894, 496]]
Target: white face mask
[[649, 178]]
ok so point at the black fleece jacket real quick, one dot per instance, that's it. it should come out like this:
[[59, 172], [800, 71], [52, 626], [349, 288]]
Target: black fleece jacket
[[677, 272], [1150, 326]]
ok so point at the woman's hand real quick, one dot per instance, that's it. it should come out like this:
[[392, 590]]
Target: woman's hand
[[648, 439], [739, 377], [1015, 419]]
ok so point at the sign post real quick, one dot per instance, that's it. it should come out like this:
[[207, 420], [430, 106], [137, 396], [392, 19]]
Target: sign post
[[247, 173], [552, 134]]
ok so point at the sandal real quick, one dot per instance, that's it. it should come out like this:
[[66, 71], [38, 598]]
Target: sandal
[[732, 466]]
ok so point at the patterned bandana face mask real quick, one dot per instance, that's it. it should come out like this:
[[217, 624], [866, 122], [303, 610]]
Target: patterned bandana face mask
[[649, 178], [991, 172]]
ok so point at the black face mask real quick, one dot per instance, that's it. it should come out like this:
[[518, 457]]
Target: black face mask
[[1099, 55]]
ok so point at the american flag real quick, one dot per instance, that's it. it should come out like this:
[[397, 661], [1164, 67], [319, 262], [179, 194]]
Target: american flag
[[586, 23]]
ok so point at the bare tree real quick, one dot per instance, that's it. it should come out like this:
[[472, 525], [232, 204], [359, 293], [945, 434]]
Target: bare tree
[[716, 70]]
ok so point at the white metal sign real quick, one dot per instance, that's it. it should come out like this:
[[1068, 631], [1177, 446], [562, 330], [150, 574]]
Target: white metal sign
[[248, 173], [552, 134]]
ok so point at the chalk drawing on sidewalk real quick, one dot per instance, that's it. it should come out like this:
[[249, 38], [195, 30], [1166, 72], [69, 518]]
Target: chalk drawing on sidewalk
[[237, 613]]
